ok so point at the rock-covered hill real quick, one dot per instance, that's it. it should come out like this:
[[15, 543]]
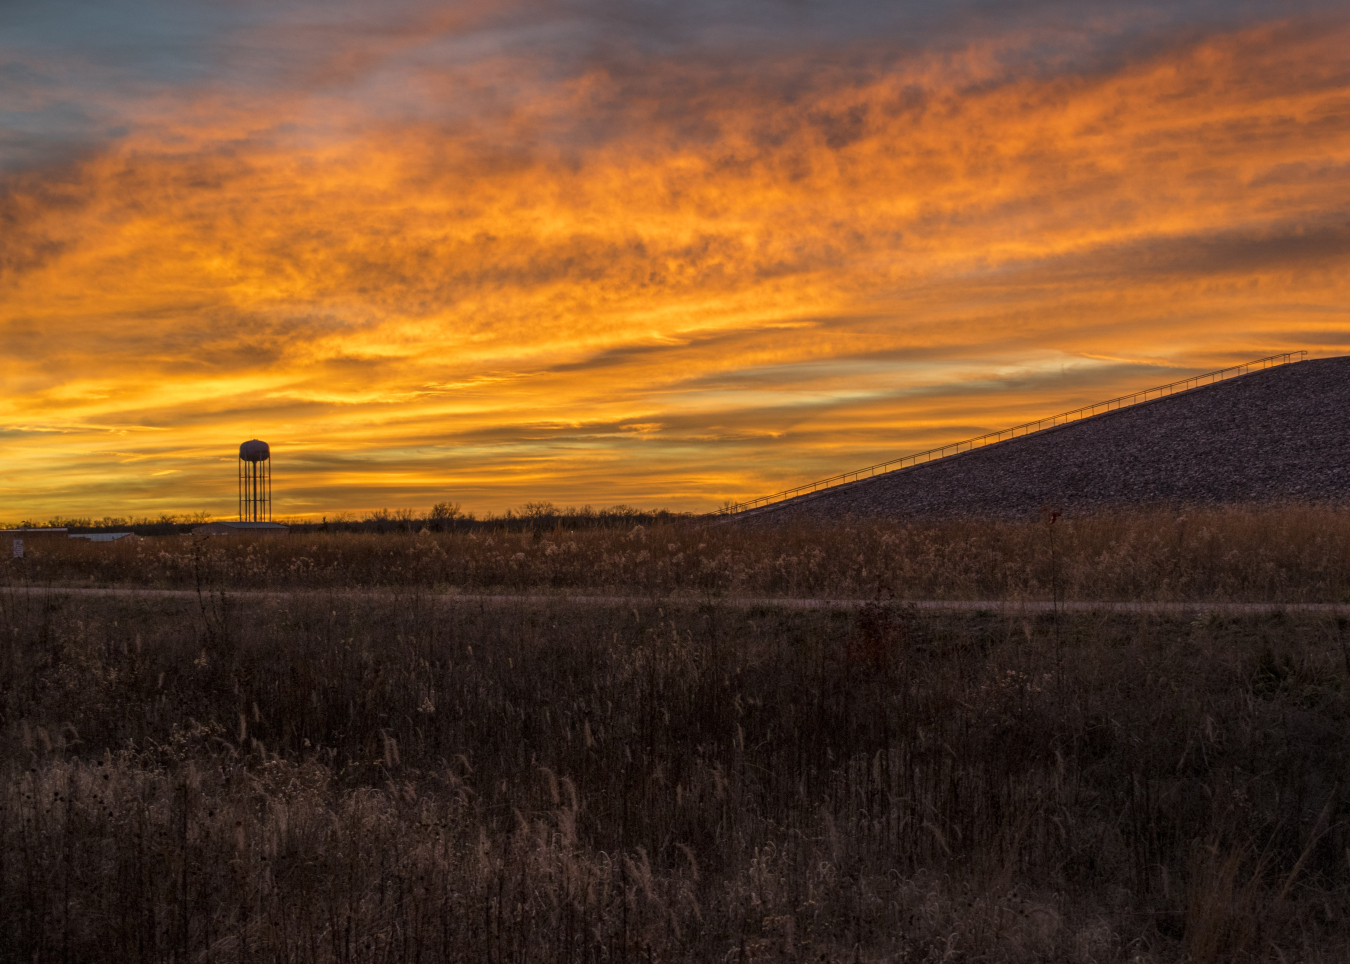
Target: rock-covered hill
[[1278, 435]]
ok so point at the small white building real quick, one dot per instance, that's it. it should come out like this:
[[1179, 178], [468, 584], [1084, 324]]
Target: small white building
[[15, 537]]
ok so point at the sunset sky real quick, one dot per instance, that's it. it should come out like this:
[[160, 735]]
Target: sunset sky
[[653, 253]]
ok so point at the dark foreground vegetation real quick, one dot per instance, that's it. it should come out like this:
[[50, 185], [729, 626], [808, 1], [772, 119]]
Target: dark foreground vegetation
[[343, 776]]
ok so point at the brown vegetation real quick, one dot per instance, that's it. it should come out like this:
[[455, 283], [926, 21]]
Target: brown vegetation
[[1295, 554], [337, 776]]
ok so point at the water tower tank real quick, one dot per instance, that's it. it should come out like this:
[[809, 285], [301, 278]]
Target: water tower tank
[[255, 481]]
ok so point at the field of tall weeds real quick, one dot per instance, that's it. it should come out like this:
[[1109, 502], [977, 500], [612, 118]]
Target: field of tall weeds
[[342, 775], [1294, 554]]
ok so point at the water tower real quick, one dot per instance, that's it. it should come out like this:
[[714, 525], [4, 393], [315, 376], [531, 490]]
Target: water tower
[[255, 482]]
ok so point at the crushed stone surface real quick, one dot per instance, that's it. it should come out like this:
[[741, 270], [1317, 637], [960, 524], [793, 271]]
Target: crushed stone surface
[[1280, 435]]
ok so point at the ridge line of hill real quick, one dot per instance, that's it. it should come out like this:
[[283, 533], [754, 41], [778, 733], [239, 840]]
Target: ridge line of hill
[[1278, 434], [1026, 428]]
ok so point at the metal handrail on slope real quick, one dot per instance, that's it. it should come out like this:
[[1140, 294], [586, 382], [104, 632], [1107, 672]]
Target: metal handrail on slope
[[990, 438]]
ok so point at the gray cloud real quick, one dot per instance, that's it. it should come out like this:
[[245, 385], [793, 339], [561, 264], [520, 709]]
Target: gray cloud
[[120, 54]]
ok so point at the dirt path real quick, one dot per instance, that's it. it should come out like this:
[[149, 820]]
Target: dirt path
[[741, 602]]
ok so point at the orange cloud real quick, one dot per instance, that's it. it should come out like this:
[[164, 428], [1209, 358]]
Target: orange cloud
[[670, 287]]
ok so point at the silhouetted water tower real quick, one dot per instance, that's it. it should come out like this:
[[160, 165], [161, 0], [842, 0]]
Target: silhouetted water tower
[[255, 482]]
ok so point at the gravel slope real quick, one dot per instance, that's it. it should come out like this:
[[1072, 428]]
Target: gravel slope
[[1278, 435]]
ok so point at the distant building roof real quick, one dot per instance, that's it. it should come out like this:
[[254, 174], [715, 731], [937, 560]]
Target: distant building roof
[[103, 536], [237, 528], [43, 531]]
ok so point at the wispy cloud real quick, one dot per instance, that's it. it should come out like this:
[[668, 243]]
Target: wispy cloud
[[605, 253]]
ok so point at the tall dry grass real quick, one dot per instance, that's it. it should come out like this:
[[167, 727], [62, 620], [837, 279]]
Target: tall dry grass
[[1291, 554], [341, 777]]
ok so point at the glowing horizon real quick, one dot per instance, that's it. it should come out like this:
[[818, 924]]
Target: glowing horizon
[[536, 253]]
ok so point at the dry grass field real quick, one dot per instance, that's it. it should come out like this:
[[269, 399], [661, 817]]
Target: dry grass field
[[1261, 555], [341, 775]]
